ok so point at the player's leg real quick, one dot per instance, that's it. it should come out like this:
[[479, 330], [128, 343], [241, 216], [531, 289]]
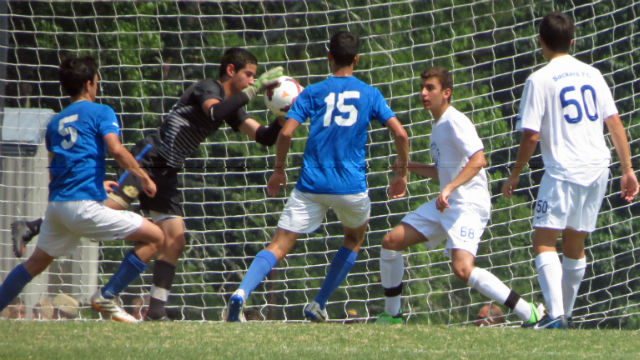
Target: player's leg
[[490, 286], [421, 225], [583, 217], [341, 264], [549, 270], [283, 241], [551, 213], [166, 212], [353, 211], [164, 267], [22, 274], [148, 237], [94, 220], [392, 268], [574, 264]]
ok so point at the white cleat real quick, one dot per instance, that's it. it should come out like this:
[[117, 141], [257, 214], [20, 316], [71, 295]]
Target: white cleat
[[110, 308], [313, 312]]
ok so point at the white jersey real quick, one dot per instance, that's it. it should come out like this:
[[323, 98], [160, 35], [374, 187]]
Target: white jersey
[[566, 102], [453, 141]]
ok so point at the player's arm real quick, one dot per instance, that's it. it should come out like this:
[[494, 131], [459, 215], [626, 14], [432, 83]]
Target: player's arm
[[424, 170], [279, 176], [525, 151], [476, 162], [265, 135], [398, 185], [126, 161], [218, 110], [628, 180]]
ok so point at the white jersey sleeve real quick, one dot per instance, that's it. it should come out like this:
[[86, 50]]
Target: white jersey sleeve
[[531, 107], [606, 102]]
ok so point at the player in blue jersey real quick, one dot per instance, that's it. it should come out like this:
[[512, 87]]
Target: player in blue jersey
[[201, 110], [339, 109], [76, 139], [565, 106]]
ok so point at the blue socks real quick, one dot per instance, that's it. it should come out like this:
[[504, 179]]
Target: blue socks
[[261, 265], [340, 266], [13, 284], [130, 268]]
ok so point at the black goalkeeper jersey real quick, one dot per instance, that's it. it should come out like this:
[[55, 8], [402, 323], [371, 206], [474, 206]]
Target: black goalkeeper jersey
[[186, 125]]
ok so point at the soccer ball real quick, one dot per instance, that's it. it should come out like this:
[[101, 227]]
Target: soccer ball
[[279, 97]]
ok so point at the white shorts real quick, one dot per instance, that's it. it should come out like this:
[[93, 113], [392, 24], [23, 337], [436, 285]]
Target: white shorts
[[461, 225], [65, 222], [562, 204], [304, 212]]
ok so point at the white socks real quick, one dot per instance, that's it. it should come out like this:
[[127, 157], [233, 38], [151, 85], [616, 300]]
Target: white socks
[[572, 274], [550, 280], [391, 273], [492, 287]]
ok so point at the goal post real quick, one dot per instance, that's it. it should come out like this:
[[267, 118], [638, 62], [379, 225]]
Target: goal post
[[149, 52]]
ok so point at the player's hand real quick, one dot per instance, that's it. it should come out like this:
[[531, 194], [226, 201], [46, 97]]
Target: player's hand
[[277, 179], [509, 186], [110, 186], [149, 187], [442, 202], [397, 187], [628, 186], [264, 81]]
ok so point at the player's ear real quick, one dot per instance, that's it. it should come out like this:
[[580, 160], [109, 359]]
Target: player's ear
[[231, 70], [355, 60], [447, 93]]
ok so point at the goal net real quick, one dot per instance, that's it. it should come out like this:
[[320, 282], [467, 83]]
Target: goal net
[[149, 52]]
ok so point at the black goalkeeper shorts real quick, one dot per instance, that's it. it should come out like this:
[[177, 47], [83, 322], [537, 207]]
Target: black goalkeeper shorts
[[167, 199]]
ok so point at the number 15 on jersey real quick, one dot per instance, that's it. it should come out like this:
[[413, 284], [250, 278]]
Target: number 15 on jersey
[[350, 110]]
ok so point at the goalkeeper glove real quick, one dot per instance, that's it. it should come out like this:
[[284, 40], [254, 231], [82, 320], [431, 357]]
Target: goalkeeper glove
[[265, 80]]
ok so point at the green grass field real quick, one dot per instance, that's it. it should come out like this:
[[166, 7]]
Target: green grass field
[[255, 340]]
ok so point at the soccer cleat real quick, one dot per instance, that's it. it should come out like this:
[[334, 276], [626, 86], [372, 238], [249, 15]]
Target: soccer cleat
[[385, 318], [313, 312], [110, 308], [21, 234], [537, 313], [161, 319], [548, 323], [235, 312]]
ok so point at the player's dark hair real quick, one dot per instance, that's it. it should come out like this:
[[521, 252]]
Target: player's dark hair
[[443, 75], [75, 72], [556, 30], [344, 46], [238, 57]]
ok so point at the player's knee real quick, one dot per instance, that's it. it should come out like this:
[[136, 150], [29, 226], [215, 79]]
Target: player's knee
[[390, 242], [175, 244], [462, 271], [351, 240]]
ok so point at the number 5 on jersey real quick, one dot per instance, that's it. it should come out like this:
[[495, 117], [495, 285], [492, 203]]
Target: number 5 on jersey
[[69, 130], [351, 110]]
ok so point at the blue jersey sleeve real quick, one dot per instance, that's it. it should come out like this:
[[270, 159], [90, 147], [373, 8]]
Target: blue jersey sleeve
[[300, 108], [108, 122], [381, 111]]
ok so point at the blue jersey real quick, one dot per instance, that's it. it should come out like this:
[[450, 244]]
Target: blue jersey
[[339, 109], [75, 137]]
